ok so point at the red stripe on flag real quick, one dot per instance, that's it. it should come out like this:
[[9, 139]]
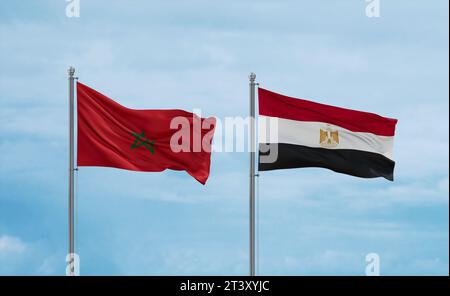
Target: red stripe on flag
[[277, 105]]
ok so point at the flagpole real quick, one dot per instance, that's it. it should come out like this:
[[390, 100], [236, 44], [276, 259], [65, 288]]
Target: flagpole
[[252, 78], [71, 72]]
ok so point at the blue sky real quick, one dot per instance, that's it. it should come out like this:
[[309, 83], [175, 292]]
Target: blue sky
[[198, 54]]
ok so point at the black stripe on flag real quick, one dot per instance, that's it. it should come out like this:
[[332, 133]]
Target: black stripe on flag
[[347, 161]]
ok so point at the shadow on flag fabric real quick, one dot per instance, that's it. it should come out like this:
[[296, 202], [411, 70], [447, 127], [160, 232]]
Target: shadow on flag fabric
[[111, 135], [310, 134]]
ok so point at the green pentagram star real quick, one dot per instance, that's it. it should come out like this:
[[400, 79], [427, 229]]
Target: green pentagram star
[[141, 140]]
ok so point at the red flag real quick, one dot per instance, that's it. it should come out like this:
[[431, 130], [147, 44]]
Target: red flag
[[111, 135]]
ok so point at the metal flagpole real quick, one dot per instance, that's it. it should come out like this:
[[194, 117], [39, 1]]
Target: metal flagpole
[[252, 78], [71, 73]]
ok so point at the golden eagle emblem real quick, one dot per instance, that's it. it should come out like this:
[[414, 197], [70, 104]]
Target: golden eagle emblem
[[329, 138]]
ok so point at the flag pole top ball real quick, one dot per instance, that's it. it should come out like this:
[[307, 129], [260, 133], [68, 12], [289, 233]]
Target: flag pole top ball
[[71, 71], [252, 76]]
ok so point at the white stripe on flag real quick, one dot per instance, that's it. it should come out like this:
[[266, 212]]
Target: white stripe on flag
[[307, 133]]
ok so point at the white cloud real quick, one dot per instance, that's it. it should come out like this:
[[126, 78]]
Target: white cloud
[[11, 245], [18, 257], [50, 265], [42, 124], [184, 258]]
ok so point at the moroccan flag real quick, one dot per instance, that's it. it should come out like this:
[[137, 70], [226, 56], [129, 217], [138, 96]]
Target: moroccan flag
[[308, 134], [111, 135]]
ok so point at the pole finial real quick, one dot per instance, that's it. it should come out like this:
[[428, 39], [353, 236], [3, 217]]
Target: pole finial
[[252, 77], [71, 71]]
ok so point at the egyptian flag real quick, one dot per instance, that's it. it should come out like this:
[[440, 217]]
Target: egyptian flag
[[111, 135], [302, 133]]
